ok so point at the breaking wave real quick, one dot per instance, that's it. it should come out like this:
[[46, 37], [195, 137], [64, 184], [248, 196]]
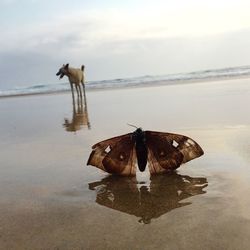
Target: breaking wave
[[133, 81]]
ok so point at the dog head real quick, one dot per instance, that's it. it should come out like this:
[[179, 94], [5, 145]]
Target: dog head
[[63, 71]]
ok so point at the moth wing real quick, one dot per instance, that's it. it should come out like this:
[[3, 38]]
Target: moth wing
[[115, 155], [162, 155], [187, 146], [100, 150]]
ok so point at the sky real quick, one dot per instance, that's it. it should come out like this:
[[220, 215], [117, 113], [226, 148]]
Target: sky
[[118, 39]]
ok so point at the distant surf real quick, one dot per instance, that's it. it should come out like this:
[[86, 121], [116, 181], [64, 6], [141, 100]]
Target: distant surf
[[148, 80]]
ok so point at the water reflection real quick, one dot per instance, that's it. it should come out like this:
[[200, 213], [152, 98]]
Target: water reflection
[[80, 116], [164, 193]]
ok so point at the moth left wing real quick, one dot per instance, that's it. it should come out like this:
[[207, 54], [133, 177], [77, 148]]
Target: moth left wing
[[169, 146], [115, 155]]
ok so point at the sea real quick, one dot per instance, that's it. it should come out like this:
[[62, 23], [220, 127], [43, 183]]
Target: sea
[[147, 80]]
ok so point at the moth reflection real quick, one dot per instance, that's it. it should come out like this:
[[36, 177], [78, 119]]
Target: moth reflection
[[80, 116], [164, 193]]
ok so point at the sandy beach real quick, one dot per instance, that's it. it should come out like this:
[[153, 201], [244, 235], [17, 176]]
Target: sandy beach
[[50, 199]]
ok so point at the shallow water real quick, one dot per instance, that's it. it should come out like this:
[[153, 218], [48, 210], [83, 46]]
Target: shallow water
[[51, 199]]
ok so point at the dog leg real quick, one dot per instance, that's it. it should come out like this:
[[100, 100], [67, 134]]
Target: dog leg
[[84, 94], [74, 106], [80, 89], [83, 85], [77, 91], [72, 91]]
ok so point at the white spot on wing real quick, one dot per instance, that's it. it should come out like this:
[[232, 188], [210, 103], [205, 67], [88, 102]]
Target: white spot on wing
[[179, 192], [190, 142], [175, 144], [107, 149]]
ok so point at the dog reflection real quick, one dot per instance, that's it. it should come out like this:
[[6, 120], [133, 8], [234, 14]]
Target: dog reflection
[[80, 116], [164, 194]]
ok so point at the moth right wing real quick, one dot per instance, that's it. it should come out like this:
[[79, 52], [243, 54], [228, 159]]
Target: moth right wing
[[168, 151], [162, 155], [115, 155], [186, 145]]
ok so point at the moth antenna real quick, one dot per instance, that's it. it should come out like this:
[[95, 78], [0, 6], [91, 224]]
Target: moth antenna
[[132, 125]]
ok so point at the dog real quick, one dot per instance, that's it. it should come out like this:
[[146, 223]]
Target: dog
[[75, 76]]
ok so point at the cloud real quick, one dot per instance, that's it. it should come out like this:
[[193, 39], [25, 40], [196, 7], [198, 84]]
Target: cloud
[[24, 69], [119, 59], [91, 28], [115, 42], [6, 2]]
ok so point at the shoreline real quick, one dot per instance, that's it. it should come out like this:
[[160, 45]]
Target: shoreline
[[142, 85]]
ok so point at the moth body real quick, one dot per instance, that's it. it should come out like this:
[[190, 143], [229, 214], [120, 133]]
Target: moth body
[[141, 149]]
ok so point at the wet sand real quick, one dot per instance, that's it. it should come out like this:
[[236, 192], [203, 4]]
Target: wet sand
[[50, 199]]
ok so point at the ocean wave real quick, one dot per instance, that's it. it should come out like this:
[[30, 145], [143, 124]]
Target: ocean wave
[[146, 80]]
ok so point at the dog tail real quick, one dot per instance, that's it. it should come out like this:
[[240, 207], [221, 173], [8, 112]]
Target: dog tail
[[82, 68]]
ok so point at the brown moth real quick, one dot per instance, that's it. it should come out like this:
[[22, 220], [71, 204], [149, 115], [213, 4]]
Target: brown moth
[[164, 152]]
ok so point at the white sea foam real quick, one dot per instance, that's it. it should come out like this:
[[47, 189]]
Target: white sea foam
[[133, 82]]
